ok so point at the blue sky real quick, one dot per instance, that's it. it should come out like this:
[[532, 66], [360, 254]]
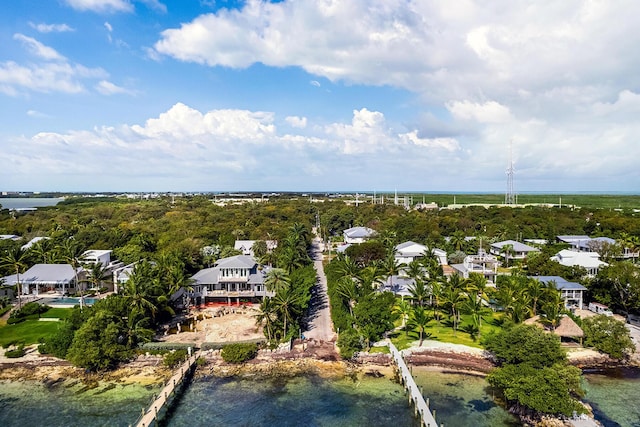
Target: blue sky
[[319, 95]]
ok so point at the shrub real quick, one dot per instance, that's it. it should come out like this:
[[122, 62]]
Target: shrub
[[175, 357], [239, 352], [608, 335], [15, 353]]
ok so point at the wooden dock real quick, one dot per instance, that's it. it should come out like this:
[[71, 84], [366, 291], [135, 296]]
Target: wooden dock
[[421, 407], [150, 417]]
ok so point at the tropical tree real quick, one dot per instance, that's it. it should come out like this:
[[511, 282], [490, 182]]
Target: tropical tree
[[73, 254], [140, 290], [267, 317], [97, 273], [419, 319], [457, 240], [15, 258], [403, 309], [391, 267], [286, 304], [346, 288], [277, 280], [419, 292], [552, 310], [507, 250]]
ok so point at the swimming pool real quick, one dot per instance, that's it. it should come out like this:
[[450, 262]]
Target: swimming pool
[[68, 301]]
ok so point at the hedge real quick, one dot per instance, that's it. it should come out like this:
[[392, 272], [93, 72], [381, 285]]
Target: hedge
[[159, 346], [219, 345]]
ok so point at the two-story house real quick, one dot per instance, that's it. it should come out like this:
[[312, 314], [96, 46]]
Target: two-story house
[[231, 280]]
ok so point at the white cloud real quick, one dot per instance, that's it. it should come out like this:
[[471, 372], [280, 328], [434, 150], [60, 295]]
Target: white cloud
[[48, 77], [108, 26], [38, 49], [489, 112], [155, 5], [101, 5], [37, 114], [314, 83], [51, 28], [107, 88], [234, 146], [296, 122]]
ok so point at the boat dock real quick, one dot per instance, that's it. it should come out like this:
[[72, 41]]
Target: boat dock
[[150, 417], [421, 407]]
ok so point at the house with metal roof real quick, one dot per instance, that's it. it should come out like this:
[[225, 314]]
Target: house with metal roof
[[44, 278], [246, 246], [411, 251], [518, 250], [481, 263], [358, 235], [590, 261], [234, 279], [571, 293]]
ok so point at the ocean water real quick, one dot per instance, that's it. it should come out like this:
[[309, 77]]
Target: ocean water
[[31, 403], [458, 399], [28, 202], [614, 396], [462, 400], [298, 401]]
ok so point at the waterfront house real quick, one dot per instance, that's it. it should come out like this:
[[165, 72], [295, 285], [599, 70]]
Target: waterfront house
[[518, 250], [357, 235], [481, 263], [571, 293], [234, 279], [410, 251], [59, 278], [246, 246], [590, 261]]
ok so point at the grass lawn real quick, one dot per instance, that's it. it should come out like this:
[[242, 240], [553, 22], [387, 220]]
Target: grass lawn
[[444, 332], [32, 330]]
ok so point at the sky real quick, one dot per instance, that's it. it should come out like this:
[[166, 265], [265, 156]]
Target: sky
[[319, 95]]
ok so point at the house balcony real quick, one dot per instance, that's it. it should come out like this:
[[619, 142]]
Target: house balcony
[[238, 294]]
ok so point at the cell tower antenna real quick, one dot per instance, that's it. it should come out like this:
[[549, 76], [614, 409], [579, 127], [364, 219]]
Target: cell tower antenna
[[510, 196]]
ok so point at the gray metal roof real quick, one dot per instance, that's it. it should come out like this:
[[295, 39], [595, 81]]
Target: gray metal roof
[[517, 246], [206, 276], [237, 261], [359, 232], [561, 283], [48, 274]]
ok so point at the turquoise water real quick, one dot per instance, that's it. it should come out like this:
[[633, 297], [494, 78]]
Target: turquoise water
[[462, 400], [458, 399], [68, 301], [299, 401], [30, 403], [614, 397]]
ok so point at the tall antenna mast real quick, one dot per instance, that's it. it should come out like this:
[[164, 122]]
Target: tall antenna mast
[[510, 196]]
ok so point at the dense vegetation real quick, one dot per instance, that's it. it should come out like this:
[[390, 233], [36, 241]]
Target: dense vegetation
[[533, 373], [239, 352]]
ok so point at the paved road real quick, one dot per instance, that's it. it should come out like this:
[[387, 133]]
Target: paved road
[[320, 325]]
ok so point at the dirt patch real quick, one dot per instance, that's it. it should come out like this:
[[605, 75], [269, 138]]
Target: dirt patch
[[448, 359]]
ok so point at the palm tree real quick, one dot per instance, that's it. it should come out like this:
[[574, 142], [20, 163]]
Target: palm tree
[[508, 251], [437, 290], [415, 270], [286, 304], [140, 289], [346, 288], [97, 273], [419, 293], [277, 280], [15, 259], [420, 319], [72, 253], [552, 310], [267, 317], [391, 267], [457, 240], [370, 278], [43, 251], [536, 290], [403, 308]]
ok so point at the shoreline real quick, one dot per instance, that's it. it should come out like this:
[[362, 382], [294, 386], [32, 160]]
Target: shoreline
[[316, 359]]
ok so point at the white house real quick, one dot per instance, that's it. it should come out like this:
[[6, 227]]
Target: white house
[[94, 256], [358, 235], [570, 292], [590, 261], [482, 263], [233, 278], [45, 277], [9, 237], [518, 250], [246, 246], [410, 251], [33, 242]]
